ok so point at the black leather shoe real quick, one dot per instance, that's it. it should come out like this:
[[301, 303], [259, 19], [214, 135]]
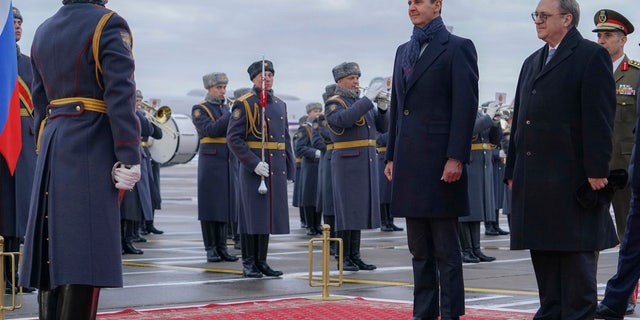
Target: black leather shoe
[[386, 228], [396, 228], [501, 232], [348, 265], [129, 248], [311, 231], [267, 271], [603, 312], [250, 271], [469, 257], [138, 238], [212, 256], [491, 232], [152, 229], [226, 256], [631, 308], [361, 265], [482, 257]]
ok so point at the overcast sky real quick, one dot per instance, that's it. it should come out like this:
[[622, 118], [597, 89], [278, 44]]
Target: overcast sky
[[176, 42]]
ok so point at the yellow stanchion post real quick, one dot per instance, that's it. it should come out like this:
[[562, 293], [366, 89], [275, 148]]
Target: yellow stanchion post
[[325, 282], [11, 255]]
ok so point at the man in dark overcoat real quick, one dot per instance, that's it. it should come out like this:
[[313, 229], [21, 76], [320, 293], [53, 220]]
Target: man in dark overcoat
[[354, 123], [268, 213], [561, 140], [215, 179], [309, 169], [88, 137], [434, 101]]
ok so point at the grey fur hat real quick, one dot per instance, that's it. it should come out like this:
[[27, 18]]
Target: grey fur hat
[[212, 79], [17, 14], [313, 106], [240, 92], [139, 94], [345, 69], [256, 68]]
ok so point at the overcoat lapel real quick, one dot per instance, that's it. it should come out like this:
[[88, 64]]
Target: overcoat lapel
[[435, 48], [564, 51]]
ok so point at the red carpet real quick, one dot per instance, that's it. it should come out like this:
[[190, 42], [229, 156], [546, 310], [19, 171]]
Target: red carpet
[[300, 309]]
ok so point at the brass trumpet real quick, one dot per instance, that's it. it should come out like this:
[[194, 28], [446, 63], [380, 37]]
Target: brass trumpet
[[159, 117], [229, 101]]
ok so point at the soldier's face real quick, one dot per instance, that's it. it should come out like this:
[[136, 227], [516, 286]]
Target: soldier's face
[[351, 82], [313, 114], [268, 80], [138, 102], [613, 41], [218, 91], [422, 12], [17, 28]]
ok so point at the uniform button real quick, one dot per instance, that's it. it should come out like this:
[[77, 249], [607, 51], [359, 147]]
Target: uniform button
[[49, 111], [78, 108], [369, 127], [534, 91], [271, 137], [48, 262], [406, 112], [528, 122], [282, 136], [528, 153], [284, 172], [271, 154], [624, 103], [281, 118]]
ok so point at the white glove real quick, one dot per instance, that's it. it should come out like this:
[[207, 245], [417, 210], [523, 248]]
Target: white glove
[[383, 101], [318, 154], [262, 169], [125, 178], [492, 109], [375, 90], [501, 154]]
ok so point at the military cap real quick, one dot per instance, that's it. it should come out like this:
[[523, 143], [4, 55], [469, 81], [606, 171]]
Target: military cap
[[16, 14], [240, 92], [345, 69], [609, 20], [256, 68], [212, 79], [139, 94], [313, 106], [329, 91]]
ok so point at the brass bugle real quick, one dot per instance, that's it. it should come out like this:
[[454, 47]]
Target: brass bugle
[[229, 101], [159, 117]]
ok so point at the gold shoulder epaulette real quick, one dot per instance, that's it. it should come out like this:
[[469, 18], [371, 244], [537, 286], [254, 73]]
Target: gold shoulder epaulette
[[246, 96], [634, 63]]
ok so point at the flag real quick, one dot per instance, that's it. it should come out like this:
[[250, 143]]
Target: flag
[[10, 135]]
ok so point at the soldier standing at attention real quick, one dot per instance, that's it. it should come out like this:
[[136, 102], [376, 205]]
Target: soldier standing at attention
[[354, 124], [612, 29], [268, 213], [215, 183], [309, 169], [15, 193], [88, 139]]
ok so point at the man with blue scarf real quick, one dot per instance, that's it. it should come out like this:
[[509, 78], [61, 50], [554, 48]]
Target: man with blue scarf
[[434, 101]]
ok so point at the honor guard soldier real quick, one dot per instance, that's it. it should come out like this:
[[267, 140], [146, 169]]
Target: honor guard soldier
[[309, 169], [136, 206], [612, 29], [15, 193], [265, 153], [297, 184], [322, 140], [354, 123], [215, 181], [88, 140]]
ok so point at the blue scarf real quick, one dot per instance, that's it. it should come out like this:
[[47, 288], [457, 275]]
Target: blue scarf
[[418, 39]]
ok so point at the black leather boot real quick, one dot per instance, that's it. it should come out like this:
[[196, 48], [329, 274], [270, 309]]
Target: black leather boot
[[464, 234], [490, 230], [347, 264], [384, 218], [136, 233], [151, 228], [496, 227], [48, 304], [221, 242], [78, 302], [208, 238], [249, 247], [261, 259], [127, 241], [309, 221], [317, 220], [355, 252], [303, 218], [475, 243]]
